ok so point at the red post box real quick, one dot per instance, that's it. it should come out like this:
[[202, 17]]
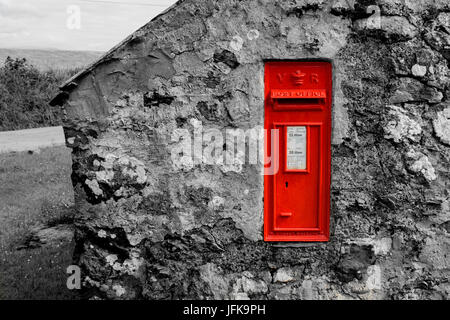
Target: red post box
[[298, 98]]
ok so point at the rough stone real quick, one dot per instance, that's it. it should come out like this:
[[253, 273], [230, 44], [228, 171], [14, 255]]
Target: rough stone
[[284, 275], [421, 164], [156, 221], [442, 125], [437, 35], [392, 27], [218, 285], [401, 125], [355, 261], [435, 252], [374, 279], [251, 286], [418, 70], [411, 90]]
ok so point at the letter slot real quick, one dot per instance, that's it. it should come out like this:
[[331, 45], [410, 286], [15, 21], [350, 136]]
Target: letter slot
[[298, 107]]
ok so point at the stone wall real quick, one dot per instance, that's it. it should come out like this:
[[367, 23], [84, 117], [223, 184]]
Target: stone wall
[[147, 229]]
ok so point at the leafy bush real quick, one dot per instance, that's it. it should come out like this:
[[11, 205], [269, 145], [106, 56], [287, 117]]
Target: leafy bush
[[25, 93]]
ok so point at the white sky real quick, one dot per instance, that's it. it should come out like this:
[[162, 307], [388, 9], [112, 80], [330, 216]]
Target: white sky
[[51, 24]]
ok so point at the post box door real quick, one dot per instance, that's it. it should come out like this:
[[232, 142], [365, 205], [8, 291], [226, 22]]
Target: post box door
[[297, 177]]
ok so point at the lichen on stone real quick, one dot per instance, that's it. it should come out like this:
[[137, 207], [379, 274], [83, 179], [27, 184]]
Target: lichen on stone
[[158, 220], [420, 163], [401, 125], [442, 125]]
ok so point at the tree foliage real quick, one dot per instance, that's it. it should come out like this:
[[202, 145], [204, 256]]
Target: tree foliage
[[25, 93]]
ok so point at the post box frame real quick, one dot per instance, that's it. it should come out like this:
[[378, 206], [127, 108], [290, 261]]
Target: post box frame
[[321, 233]]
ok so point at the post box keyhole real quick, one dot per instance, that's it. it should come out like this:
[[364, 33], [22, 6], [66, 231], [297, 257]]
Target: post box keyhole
[[287, 184]]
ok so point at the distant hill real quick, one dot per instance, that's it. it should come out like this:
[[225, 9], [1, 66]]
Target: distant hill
[[52, 59]]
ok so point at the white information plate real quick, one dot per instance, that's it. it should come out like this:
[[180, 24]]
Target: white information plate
[[296, 148]]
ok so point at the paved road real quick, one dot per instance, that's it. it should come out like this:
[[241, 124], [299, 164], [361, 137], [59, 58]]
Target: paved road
[[32, 139]]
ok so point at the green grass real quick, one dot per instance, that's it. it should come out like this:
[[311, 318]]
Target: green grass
[[35, 190]]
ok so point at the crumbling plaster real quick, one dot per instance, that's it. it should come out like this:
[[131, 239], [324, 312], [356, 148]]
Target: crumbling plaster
[[196, 231]]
